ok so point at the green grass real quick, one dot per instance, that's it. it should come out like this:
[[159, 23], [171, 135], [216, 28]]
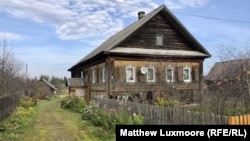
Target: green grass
[[50, 122]]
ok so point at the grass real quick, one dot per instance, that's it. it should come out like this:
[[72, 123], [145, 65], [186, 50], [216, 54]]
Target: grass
[[50, 122]]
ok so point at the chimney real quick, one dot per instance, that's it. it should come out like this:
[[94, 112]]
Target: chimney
[[141, 14]]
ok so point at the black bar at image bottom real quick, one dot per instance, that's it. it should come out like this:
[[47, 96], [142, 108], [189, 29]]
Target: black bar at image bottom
[[164, 132]]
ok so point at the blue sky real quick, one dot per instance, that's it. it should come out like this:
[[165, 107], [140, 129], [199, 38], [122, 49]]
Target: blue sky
[[50, 36]]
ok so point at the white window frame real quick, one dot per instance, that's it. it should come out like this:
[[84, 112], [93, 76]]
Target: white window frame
[[128, 78], [159, 40], [94, 76], [104, 74], [187, 71], [153, 75], [172, 74]]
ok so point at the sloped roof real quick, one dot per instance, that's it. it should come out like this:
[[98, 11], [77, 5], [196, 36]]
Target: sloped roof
[[75, 82], [117, 38], [49, 84], [230, 70]]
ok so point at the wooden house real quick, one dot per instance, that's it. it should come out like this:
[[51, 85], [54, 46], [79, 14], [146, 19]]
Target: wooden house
[[76, 86], [231, 78], [44, 89], [154, 56]]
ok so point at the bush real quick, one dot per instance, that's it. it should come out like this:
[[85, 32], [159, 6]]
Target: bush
[[27, 102], [102, 117], [74, 103], [108, 118]]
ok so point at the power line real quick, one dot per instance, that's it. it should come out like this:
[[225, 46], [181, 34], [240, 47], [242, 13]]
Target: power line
[[193, 15], [214, 18]]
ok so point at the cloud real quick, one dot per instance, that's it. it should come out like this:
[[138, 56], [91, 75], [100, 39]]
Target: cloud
[[193, 3], [173, 4], [86, 20], [78, 20], [12, 36]]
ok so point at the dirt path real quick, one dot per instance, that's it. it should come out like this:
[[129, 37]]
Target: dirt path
[[55, 124]]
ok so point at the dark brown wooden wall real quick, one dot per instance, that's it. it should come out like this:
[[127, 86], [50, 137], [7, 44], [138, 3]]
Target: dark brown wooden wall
[[145, 37]]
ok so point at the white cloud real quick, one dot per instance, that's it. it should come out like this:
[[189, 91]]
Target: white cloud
[[86, 20], [193, 3], [12, 36], [77, 20], [173, 4]]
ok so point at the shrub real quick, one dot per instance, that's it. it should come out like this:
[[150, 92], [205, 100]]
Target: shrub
[[108, 118], [74, 103], [27, 102]]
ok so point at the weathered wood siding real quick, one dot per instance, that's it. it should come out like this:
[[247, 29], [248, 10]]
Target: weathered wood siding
[[99, 88], [185, 90], [145, 37]]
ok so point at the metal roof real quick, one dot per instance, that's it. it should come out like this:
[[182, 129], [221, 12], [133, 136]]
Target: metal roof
[[123, 34], [75, 82], [231, 69], [157, 52]]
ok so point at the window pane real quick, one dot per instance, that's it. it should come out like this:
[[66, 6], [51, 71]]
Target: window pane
[[186, 74], [150, 74], [103, 74], [159, 40], [94, 76], [130, 74], [169, 74]]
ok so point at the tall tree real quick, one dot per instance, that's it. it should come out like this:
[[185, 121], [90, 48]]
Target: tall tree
[[9, 69]]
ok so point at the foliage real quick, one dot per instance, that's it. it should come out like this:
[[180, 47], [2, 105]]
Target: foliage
[[74, 103], [27, 102], [21, 117], [161, 101], [101, 117], [108, 118]]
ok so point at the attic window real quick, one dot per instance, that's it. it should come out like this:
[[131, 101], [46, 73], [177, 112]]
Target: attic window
[[159, 40]]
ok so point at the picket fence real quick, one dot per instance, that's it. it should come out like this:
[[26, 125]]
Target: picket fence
[[239, 120], [164, 115]]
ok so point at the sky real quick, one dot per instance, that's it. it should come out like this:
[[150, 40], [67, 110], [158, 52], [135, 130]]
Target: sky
[[50, 36]]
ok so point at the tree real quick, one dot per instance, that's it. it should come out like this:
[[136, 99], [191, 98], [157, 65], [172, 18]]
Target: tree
[[229, 80], [10, 79]]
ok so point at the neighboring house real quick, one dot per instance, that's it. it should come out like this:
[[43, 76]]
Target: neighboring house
[[229, 77], [76, 86], [44, 89], [154, 56]]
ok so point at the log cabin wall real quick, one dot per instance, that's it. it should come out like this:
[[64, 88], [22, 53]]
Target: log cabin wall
[[182, 90], [97, 83], [145, 37]]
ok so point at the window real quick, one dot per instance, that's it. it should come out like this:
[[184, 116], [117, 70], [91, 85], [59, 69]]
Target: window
[[103, 74], [187, 74], [159, 40], [170, 74], [94, 77], [130, 74], [82, 74], [151, 74]]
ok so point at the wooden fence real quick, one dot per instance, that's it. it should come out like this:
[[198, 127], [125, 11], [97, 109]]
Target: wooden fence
[[164, 115], [7, 104], [239, 120]]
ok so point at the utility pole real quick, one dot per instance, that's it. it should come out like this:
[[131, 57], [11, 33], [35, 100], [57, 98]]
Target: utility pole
[[26, 73]]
